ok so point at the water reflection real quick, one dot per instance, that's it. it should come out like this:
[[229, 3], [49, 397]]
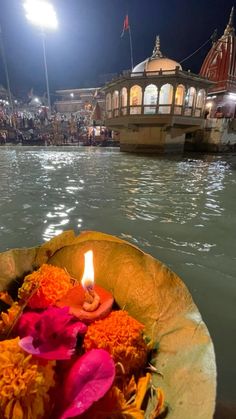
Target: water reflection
[[173, 193], [63, 188]]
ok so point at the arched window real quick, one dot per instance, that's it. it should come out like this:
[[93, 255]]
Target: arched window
[[115, 103], [108, 105], [150, 99], [200, 103], [165, 98], [135, 99], [124, 100], [190, 101], [179, 99]]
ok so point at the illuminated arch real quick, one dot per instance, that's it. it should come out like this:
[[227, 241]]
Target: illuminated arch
[[108, 105], [124, 100], [150, 99], [201, 96], [200, 102], [165, 98], [136, 95], [190, 99], [179, 99], [115, 102]]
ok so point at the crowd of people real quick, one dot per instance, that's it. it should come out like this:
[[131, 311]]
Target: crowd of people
[[40, 128]]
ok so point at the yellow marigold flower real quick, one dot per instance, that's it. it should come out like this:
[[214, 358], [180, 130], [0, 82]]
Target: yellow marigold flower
[[24, 382], [45, 286], [126, 404], [121, 336]]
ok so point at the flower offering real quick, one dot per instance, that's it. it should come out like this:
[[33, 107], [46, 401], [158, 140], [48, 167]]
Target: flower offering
[[80, 336], [107, 374]]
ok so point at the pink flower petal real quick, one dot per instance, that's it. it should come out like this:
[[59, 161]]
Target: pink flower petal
[[59, 353], [88, 380], [26, 323], [51, 334]]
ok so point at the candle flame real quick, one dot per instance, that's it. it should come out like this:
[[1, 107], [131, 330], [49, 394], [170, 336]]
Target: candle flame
[[88, 275]]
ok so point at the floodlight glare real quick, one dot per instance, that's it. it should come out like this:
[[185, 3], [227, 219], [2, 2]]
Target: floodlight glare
[[41, 13], [232, 96]]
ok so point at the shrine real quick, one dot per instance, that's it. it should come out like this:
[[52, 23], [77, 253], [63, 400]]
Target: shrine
[[156, 104], [219, 66], [159, 107]]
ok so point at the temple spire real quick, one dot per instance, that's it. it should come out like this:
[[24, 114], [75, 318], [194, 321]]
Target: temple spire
[[231, 18], [230, 27], [157, 52]]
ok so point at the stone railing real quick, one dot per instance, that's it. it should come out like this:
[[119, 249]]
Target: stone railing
[[148, 110]]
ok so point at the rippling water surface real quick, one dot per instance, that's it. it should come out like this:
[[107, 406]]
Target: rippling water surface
[[182, 211]]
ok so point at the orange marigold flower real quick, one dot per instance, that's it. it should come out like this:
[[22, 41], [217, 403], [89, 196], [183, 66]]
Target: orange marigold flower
[[121, 336], [6, 298], [7, 319], [24, 382], [45, 286]]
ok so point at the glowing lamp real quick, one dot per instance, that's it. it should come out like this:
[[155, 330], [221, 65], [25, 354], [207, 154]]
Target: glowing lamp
[[87, 301], [88, 275], [41, 13]]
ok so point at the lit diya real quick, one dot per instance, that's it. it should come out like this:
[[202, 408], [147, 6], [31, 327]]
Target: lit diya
[[151, 294], [88, 302]]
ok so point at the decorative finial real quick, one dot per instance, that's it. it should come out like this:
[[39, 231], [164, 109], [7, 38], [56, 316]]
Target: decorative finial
[[157, 52], [231, 17], [230, 27]]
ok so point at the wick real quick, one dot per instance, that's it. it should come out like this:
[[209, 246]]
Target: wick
[[92, 300]]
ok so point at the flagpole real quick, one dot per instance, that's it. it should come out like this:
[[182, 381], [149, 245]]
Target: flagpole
[[131, 49]]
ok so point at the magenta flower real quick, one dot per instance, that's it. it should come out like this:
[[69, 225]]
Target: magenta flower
[[51, 334], [26, 323], [88, 380]]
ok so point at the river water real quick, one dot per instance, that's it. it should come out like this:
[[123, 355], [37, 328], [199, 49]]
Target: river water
[[180, 210]]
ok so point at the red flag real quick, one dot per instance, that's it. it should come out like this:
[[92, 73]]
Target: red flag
[[126, 25]]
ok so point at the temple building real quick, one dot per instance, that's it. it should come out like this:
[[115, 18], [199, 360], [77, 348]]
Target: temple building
[[219, 66], [155, 105], [159, 107], [79, 100]]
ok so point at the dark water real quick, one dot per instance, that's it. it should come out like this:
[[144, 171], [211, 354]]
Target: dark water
[[182, 211]]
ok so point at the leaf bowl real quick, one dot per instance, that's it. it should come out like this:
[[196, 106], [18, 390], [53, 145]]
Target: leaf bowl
[[151, 293]]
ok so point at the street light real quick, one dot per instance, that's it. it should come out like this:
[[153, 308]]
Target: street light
[[2, 50], [42, 14]]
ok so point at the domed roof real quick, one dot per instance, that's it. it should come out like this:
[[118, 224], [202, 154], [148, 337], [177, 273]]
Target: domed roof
[[141, 67], [156, 62]]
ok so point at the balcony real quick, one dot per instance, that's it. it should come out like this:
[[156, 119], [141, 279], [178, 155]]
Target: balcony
[[154, 111]]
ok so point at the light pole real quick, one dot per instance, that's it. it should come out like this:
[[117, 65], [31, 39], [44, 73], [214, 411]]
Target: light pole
[[6, 69], [41, 13]]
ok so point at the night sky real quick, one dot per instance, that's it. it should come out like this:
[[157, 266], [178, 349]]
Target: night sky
[[88, 44]]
